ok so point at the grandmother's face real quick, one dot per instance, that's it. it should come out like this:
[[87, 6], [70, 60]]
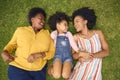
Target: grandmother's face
[[38, 21]]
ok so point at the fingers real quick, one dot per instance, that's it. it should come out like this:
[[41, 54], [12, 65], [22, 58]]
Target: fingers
[[9, 60], [7, 57], [35, 56], [84, 56], [43, 55], [31, 58], [81, 60], [13, 56]]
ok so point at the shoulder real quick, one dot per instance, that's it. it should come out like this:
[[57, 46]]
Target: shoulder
[[76, 36], [53, 34], [23, 28], [99, 32], [18, 29], [46, 32], [69, 33]]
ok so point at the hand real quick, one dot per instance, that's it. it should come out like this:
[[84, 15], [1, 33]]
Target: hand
[[7, 57], [81, 60], [42, 55], [85, 55], [31, 58], [35, 56]]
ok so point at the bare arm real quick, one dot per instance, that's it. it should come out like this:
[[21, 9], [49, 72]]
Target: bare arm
[[74, 54], [12, 45], [105, 49]]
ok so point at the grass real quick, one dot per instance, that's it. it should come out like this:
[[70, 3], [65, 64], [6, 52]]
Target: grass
[[13, 14]]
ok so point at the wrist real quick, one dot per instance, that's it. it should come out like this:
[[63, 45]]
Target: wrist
[[5, 51], [78, 51], [80, 54], [93, 55]]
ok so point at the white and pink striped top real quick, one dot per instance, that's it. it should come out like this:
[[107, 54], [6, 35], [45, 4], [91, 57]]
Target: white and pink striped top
[[89, 70]]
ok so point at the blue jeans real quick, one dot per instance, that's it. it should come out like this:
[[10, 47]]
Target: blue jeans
[[63, 50], [15, 73]]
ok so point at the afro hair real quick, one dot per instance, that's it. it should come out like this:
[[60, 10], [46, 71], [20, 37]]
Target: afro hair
[[57, 18], [86, 14], [33, 12]]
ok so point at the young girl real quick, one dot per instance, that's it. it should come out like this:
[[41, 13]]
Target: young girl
[[63, 40]]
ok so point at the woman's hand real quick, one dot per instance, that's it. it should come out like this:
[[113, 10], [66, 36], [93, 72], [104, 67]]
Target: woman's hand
[[7, 57], [35, 56], [85, 56]]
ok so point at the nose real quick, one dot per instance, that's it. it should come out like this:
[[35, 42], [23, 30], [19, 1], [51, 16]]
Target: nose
[[75, 24], [42, 21]]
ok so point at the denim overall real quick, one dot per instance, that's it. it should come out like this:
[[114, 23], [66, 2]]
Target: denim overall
[[63, 49]]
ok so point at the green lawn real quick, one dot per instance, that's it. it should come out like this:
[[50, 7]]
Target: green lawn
[[13, 14]]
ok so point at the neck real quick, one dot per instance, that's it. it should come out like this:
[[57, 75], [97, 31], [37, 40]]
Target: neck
[[60, 32], [36, 30], [85, 32]]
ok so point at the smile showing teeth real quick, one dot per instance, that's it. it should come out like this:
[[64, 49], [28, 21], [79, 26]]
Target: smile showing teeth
[[41, 23]]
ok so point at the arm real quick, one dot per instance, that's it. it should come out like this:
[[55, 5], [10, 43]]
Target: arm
[[53, 35], [35, 56], [45, 55], [72, 42], [50, 53], [80, 54], [12, 45], [74, 54], [7, 57], [104, 45]]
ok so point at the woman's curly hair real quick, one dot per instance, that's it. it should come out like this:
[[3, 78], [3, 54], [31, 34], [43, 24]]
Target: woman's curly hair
[[86, 14], [57, 18]]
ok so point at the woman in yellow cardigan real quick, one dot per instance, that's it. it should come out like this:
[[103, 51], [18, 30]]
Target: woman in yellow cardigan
[[33, 47]]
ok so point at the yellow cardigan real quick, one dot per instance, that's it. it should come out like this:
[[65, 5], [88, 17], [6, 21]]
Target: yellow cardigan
[[26, 42]]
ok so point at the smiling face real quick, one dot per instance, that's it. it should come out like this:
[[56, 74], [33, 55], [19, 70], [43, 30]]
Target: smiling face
[[79, 23], [38, 21], [62, 26]]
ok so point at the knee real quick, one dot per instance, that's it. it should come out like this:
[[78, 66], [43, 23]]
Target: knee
[[56, 76], [65, 75]]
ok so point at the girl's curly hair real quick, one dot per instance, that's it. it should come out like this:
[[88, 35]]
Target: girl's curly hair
[[57, 18]]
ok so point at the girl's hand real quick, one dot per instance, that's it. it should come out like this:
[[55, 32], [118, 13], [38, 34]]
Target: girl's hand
[[7, 57], [81, 60]]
